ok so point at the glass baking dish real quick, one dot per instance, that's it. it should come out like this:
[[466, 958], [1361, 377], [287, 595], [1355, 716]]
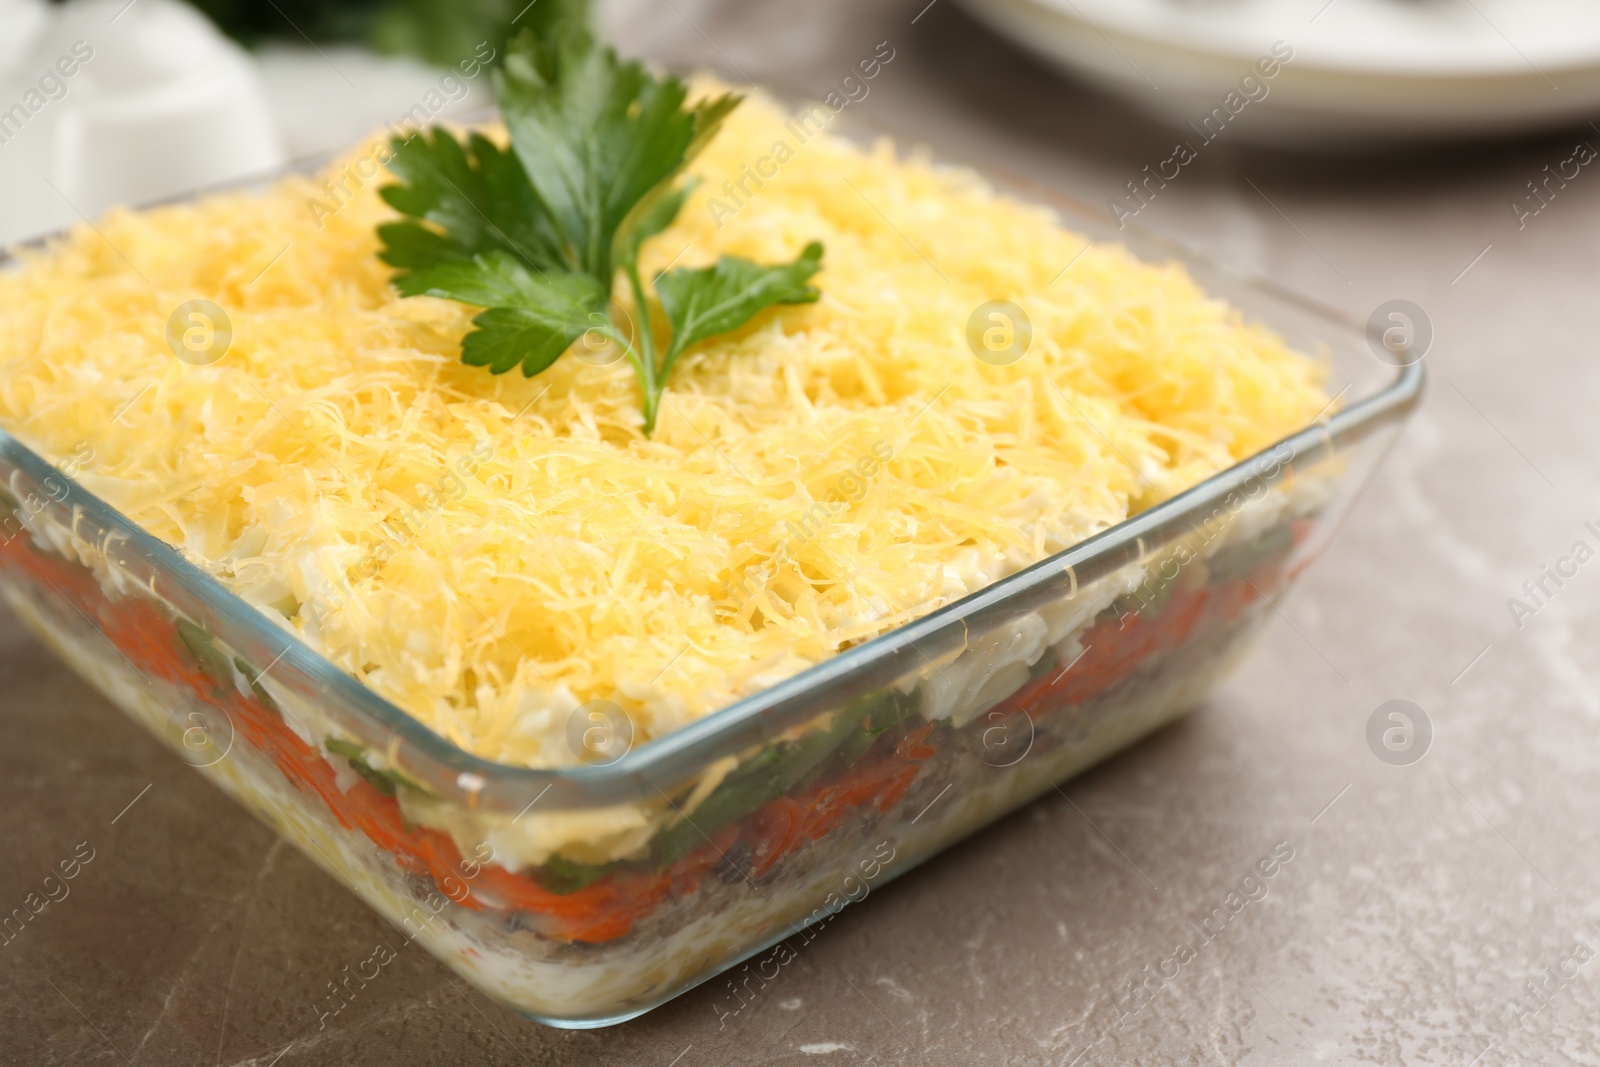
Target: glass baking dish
[[774, 812]]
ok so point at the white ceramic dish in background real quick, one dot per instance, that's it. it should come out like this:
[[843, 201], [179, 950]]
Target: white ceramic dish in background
[[157, 102], [1362, 69]]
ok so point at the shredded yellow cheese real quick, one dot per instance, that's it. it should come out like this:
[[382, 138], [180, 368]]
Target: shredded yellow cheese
[[490, 552]]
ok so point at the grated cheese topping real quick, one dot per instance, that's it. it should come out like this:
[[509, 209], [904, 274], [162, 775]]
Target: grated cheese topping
[[491, 552]]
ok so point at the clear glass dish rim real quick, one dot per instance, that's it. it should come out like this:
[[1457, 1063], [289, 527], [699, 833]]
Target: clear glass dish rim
[[685, 751]]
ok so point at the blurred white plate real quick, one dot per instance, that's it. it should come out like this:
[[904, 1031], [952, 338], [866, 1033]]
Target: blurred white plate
[[1362, 69], [108, 102]]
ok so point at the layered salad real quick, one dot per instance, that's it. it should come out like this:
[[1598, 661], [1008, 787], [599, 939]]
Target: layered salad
[[563, 433]]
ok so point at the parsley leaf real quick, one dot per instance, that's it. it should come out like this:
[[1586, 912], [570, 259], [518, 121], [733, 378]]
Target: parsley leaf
[[477, 198], [530, 319], [596, 135], [652, 215], [712, 300], [536, 234]]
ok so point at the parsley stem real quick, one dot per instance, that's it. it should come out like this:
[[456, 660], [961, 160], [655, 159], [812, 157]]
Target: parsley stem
[[641, 314], [643, 369]]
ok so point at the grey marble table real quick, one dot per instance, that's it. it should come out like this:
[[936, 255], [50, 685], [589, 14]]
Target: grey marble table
[[1421, 901]]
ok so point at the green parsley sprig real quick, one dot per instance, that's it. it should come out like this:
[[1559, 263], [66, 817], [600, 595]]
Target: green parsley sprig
[[536, 234]]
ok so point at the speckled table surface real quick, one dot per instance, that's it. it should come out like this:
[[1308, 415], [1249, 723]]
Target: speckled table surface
[[1420, 900]]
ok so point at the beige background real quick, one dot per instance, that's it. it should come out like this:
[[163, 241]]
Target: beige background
[[1416, 906]]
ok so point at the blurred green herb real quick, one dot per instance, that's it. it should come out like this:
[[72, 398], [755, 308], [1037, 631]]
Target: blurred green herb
[[384, 781], [442, 32], [561, 875], [535, 234]]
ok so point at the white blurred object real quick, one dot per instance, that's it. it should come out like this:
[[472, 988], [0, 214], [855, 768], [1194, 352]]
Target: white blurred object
[[157, 102], [1362, 69], [329, 98], [21, 21]]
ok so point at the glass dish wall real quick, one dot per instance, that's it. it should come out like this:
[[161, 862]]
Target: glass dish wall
[[756, 822]]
